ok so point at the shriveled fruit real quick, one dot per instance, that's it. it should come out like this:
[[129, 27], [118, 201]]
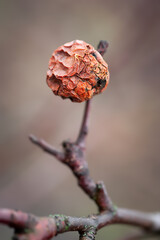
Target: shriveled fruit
[[77, 71]]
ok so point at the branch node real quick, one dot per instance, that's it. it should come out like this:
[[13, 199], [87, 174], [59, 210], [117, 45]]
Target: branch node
[[102, 198], [88, 234]]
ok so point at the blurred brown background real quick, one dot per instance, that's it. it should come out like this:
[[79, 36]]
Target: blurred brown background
[[123, 142]]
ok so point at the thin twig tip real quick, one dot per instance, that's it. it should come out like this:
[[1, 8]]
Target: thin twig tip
[[32, 138]]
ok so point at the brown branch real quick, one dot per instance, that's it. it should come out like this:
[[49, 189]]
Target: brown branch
[[102, 47], [73, 156], [84, 127], [28, 226], [46, 147], [103, 200], [42, 228]]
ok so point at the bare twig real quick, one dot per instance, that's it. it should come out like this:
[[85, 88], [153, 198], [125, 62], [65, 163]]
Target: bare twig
[[102, 47], [84, 128], [47, 147]]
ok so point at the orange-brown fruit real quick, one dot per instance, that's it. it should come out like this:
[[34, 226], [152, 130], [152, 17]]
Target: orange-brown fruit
[[77, 71]]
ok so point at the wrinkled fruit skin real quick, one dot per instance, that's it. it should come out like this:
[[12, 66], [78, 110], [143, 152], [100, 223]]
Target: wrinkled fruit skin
[[77, 71]]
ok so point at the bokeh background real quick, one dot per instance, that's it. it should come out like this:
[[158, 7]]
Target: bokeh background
[[123, 143]]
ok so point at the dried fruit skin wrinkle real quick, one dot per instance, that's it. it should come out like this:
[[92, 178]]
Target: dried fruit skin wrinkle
[[77, 71]]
